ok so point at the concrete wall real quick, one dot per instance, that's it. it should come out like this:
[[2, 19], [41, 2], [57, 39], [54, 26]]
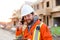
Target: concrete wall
[[56, 14]]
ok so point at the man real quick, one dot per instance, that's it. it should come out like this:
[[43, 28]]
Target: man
[[35, 29]]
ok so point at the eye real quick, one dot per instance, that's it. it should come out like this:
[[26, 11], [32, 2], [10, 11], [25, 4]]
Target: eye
[[24, 16]]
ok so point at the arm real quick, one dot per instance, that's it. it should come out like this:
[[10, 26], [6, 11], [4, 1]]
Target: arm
[[18, 32], [45, 33]]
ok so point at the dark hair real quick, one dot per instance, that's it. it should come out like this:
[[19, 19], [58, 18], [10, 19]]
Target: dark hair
[[32, 13], [22, 21]]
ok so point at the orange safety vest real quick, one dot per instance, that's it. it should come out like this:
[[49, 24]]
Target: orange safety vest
[[44, 32], [18, 31]]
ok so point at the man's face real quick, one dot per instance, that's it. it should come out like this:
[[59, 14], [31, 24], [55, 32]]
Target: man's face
[[28, 18]]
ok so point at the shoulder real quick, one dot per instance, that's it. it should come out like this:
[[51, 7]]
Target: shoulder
[[44, 27]]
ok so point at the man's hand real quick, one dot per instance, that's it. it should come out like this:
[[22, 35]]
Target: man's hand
[[24, 27]]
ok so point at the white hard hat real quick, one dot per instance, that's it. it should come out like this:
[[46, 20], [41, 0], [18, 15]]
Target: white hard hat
[[26, 9]]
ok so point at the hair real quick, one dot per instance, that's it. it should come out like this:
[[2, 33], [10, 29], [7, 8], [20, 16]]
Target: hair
[[32, 13], [22, 21]]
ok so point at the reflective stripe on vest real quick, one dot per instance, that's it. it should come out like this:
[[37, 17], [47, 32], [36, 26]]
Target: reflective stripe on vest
[[36, 35]]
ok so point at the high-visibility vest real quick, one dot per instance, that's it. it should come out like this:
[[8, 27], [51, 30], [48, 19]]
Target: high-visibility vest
[[36, 35]]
